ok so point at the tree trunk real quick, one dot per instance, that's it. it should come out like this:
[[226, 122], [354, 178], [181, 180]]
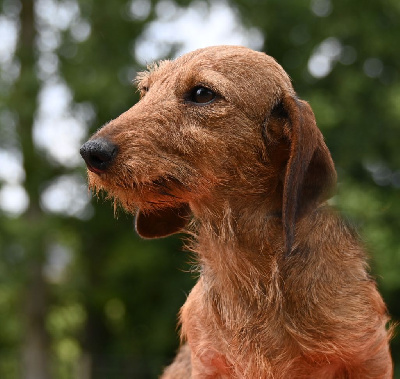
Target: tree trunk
[[35, 357], [35, 348]]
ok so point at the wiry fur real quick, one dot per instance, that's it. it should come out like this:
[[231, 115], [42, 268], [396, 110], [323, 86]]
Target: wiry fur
[[284, 290]]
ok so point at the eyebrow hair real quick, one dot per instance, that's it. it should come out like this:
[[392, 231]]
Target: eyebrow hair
[[142, 77]]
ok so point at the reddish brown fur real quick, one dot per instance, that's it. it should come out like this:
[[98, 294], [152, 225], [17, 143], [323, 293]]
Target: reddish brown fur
[[283, 290]]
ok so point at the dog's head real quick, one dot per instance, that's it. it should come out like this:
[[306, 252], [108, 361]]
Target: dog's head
[[208, 123]]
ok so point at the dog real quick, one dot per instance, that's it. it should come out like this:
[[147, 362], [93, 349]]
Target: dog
[[221, 147]]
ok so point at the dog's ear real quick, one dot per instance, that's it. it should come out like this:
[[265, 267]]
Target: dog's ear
[[162, 222], [298, 150]]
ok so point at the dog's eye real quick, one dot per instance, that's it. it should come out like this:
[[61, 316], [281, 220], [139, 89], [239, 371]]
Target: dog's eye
[[202, 95]]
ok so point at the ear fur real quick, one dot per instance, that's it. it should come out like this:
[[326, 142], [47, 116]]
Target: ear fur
[[309, 175], [162, 222]]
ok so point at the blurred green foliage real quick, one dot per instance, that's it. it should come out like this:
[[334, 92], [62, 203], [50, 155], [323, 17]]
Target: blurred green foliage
[[112, 312]]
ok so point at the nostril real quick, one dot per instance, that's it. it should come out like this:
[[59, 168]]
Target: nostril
[[98, 154]]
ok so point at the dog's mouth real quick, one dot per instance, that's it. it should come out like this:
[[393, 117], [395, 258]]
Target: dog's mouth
[[160, 205]]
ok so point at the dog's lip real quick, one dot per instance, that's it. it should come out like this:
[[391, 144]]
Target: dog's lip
[[160, 184], [94, 169]]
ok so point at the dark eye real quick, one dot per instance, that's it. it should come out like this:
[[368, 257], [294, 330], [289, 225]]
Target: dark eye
[[202, 95]]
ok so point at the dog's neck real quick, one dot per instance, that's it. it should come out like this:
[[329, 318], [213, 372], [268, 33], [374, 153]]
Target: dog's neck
[[232, 241], [239, 234], [242, 220]]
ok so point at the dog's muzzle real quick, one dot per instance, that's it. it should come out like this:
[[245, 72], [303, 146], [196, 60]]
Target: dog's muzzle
[[98, 154]]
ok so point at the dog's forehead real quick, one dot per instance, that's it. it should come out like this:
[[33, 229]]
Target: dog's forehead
[[233, 62], [227, 58]]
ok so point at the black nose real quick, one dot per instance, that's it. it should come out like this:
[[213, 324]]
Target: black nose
[[98, 154]]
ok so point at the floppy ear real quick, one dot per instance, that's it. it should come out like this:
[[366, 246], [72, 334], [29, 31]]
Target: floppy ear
[[309, 175], [163, 222]]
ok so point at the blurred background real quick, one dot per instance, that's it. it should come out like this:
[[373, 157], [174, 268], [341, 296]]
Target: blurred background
[[81, 296]]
